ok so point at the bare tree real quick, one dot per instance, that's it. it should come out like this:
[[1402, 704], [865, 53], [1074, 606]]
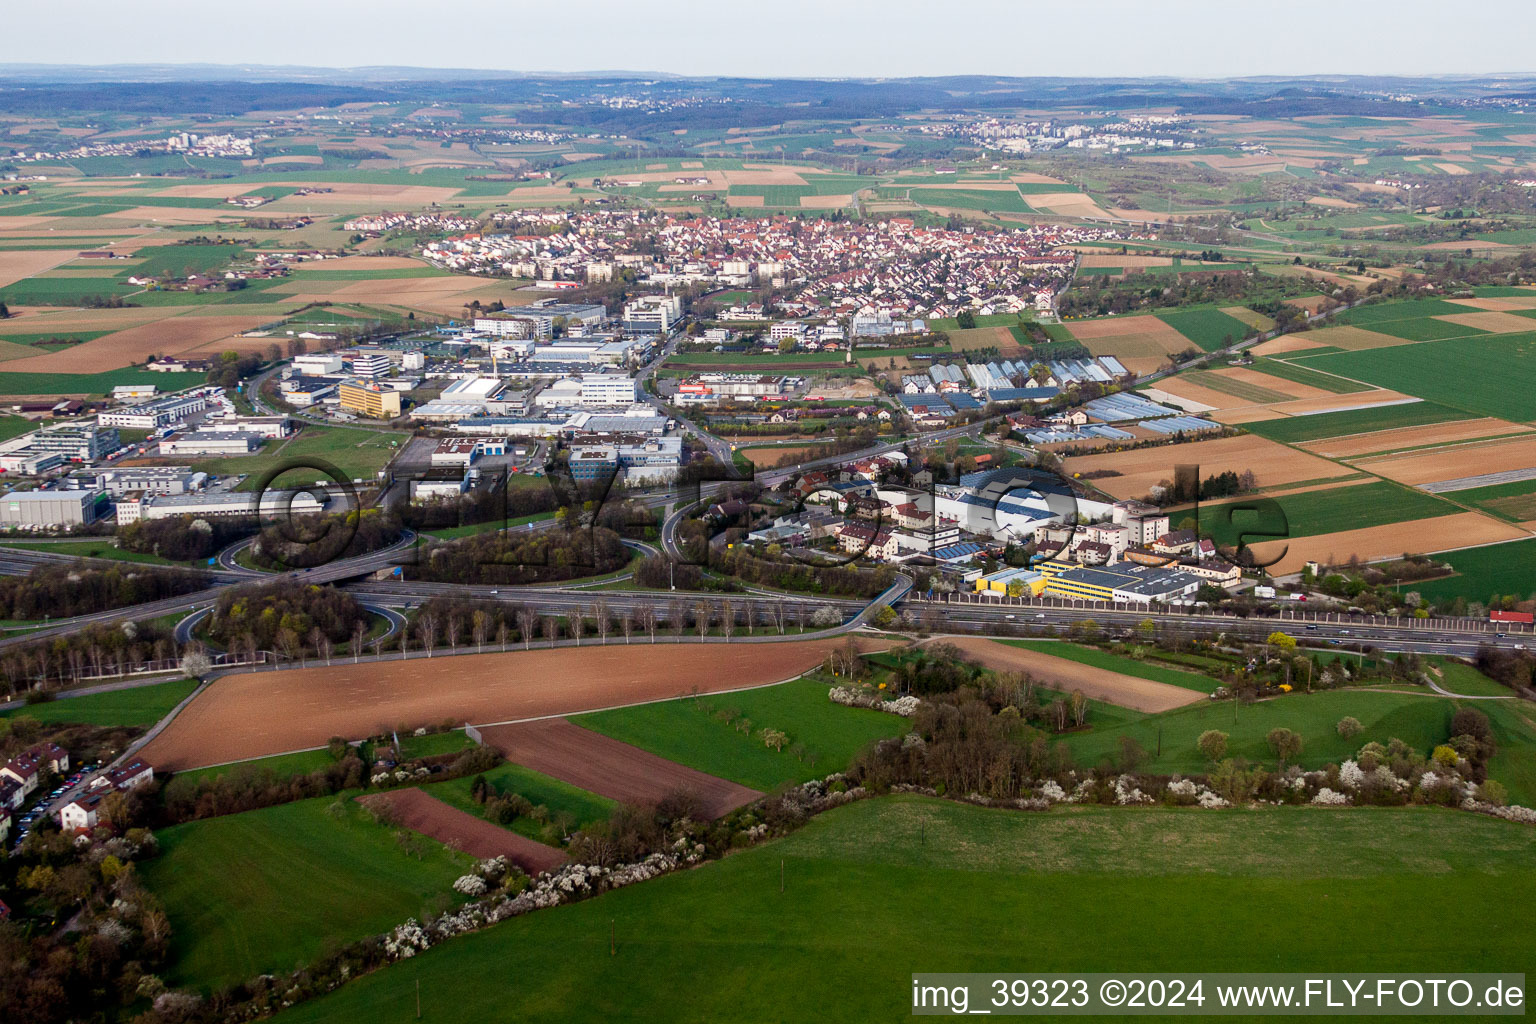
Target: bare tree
[[321, 643], [677, 617], [727, 618], [778, 614], [287, 642], [426, 631], [453, 621], [527, 624], [378, 644], [627, 622], [702, 613], [358, 633], [647, 617], [577, 624], [1079, 708], [501, 634], [551, 629], [479, 626], [602, 617]]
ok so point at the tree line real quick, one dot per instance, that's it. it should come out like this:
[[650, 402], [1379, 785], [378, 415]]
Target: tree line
[[65, 591]]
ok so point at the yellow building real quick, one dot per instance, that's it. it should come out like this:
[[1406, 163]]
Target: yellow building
[[1030, 581], [370, 400]]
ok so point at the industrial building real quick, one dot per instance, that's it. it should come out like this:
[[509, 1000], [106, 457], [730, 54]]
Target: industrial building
[[52, 508], [172, 409], [211, 442]]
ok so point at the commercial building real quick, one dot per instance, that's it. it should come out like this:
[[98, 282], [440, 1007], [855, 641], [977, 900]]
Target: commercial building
[[266, 426], [211, 442], [75, 442], [234, 504], [52, 508], [150, 480], [589, 390], [150, 415], [538, 320], [370, 363], [594, 462], [454, 453], [438, 488], [652, 314], [319, 364], [369, 399], [1123, 584], [1026, 582]]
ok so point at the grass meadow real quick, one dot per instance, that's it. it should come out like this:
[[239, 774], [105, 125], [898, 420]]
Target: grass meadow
[[136, 706], [719, 733], [883, 888], [269, 890]]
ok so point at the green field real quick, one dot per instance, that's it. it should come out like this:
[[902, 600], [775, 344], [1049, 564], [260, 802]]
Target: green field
[[1492, 376], [575, 806], [1420, 721], [433, 744], [180, 260], [99, 548], [703, 733], [1481, 572], [1513, 502], [1294, 429], [357, 452], [278, 766], [269, 890], [135, 706], [1243, 389], [93, 383], [970, 199], [1209, 328], [1309, 377], [884, 888], [1118, 663], [1310, 513]]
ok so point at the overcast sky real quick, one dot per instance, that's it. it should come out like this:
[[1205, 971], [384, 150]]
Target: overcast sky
[[789, 38]]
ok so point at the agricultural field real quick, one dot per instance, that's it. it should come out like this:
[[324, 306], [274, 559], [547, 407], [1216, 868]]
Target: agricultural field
[[264, 713], [1296, 429], [565, 802], [1494, 377], [1123, 683], [1209, 328], [133, 706], [1077, 882], [229, 886], [1332, 510], [1483, 571], [1139, 470], [721, 734]]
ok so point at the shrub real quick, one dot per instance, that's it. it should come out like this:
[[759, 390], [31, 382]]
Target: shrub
[[1212, 745], [1349, 727], [1285, 743]]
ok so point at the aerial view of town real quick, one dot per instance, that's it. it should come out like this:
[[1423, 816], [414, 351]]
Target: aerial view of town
[[828, 524]]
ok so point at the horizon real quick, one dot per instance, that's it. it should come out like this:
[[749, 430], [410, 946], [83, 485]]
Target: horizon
[[1181, 39]]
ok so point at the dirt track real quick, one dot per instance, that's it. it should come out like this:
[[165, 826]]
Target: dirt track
[[424, 813], [1061, 674], [607, 766], [262, 713]]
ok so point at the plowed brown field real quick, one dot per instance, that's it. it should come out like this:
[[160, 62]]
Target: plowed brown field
[[1062, 674], [460, 830], [612, 768], [261, 713]]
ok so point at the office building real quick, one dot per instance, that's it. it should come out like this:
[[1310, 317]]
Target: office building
[[369, 399]]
